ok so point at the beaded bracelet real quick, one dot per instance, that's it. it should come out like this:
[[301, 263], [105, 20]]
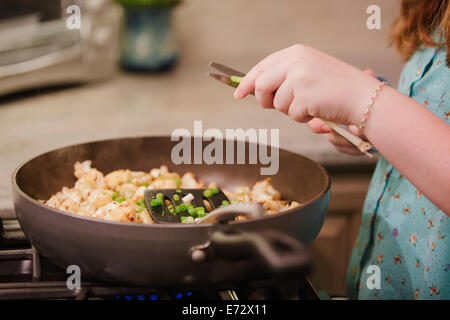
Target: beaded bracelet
[[363, 122]]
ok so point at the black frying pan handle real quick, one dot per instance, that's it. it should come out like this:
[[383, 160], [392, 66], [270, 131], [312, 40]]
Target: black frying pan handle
[[280, 253]]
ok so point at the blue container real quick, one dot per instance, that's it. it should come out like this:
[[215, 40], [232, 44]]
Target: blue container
[[148, 42]]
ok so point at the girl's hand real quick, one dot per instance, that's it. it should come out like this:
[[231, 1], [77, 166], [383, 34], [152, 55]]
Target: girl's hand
[[309, 84], [340, 143]]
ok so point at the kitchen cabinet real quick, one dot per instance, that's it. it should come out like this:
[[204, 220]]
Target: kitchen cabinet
[[332, 249]]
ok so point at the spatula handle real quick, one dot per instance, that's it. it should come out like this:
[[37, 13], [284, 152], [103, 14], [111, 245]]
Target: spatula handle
[[228, 213], [362, 145]]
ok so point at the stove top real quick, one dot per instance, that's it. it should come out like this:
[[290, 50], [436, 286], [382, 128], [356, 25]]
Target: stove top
[[25, 274]]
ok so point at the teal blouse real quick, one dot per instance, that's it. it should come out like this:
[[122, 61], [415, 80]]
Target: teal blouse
[[402, 233]]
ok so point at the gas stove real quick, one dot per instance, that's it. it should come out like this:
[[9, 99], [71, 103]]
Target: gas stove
[[25, 274]]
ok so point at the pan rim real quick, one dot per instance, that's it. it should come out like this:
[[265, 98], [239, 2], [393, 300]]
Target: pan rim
[[33, 201]]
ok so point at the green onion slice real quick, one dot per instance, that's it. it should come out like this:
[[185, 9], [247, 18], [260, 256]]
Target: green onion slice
[[207, 193], [121, 199], [201, 214], [187, 219], [115, 195], [192, 212], [156, 202], [236, 79], [200, 210], [141, 203]]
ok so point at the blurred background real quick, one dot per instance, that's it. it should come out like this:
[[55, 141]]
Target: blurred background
[[141, 70]]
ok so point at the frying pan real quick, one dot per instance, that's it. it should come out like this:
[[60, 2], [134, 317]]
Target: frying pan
[[171, 255]]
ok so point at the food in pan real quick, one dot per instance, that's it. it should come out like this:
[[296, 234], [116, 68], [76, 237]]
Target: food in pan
[[119, 195]]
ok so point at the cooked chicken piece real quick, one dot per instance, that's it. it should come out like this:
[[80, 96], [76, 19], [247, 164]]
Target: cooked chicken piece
[[230, 195], [53, 202], [89, 181], [212, 185], [275, 205], [164, 173], [154, 173], [188, 181], [127, 190], [124, 212], [263, 190], [294, 204], [241, 194], [70, 206], [164, 184], [82, 168], [139, 194], [163, 169], [73, 194], [140, 178], [99, 198], [145, 217], [116, 178], [88, 178], [65, 194]]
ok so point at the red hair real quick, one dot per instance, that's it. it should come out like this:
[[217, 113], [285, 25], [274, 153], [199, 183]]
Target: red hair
[[416, 24]]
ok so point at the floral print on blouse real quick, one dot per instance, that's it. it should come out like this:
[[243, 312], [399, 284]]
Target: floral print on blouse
[[402, 232]]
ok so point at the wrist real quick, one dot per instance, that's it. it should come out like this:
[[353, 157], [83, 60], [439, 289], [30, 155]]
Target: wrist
[[365, 95]]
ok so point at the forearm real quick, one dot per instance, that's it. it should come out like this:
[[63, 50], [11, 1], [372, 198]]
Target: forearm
[[415, 141]]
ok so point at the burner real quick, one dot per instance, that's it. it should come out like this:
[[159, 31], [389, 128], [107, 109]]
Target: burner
[[25, 274]]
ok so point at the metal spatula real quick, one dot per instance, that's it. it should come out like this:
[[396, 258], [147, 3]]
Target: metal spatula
[[183, 205]]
